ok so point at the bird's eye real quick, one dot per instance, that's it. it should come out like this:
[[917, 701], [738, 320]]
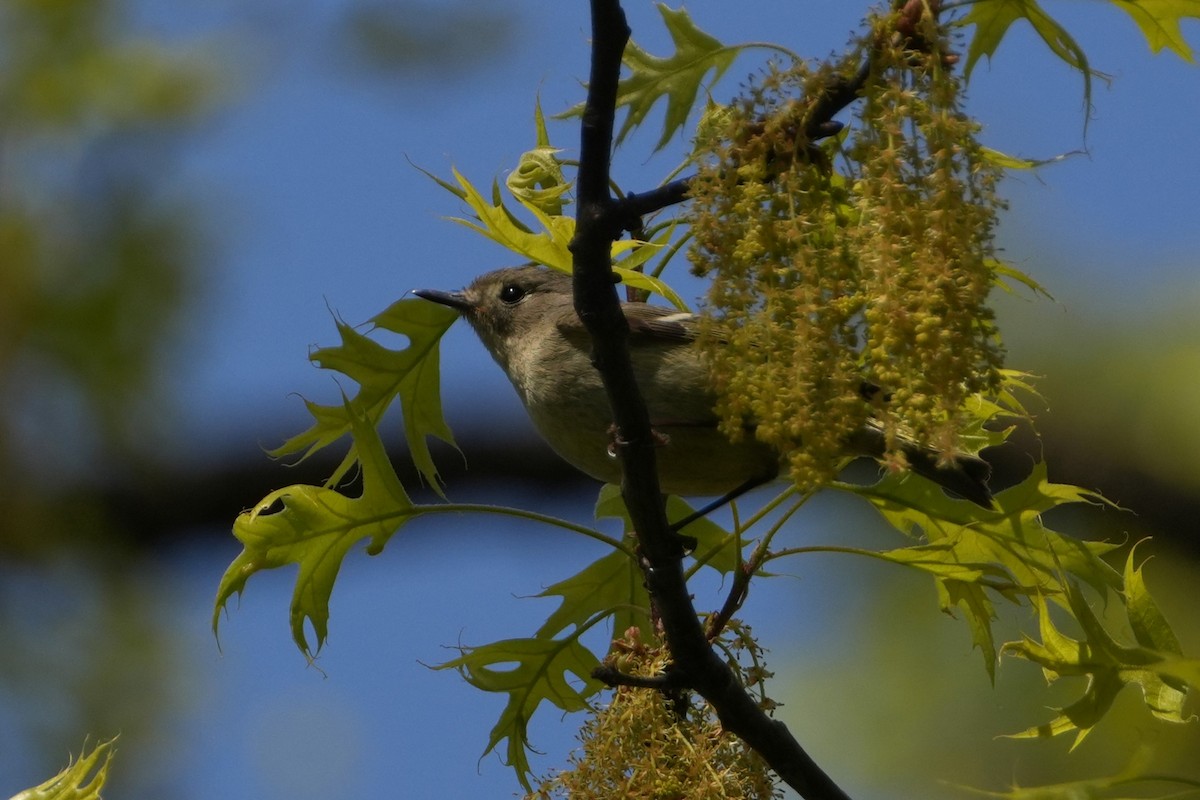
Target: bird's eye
[[511, 294]]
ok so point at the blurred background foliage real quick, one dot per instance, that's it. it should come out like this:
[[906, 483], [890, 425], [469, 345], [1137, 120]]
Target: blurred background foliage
[[96, 265], [108, 262]]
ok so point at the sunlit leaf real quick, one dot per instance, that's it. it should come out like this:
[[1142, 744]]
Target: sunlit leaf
[[1159, 21], [1111, 787], [383, 375], [1008, 550], [1149, 626], [612, 585], [1006, 273], [530, 672], [549, 245], [992, 19], [538, 179], [418, 386], [315, 529], [677, 77], [1011, 162], [1163, 676], [81, 780]]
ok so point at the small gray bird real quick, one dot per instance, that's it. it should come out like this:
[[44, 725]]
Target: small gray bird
[[526, 318]]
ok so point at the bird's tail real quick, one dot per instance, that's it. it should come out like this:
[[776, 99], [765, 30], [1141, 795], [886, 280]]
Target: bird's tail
[[965, 476]]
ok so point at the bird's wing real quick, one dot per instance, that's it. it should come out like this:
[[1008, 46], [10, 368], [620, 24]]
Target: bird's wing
[[647, 324], [655, 323]]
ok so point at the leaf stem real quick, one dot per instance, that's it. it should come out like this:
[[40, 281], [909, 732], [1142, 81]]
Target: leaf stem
[[545, 519]]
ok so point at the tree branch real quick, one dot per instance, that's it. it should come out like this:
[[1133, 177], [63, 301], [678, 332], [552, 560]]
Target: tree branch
[[599, 221]]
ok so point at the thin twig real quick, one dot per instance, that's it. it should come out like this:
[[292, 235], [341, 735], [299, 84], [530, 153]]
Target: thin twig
[[611, 676]]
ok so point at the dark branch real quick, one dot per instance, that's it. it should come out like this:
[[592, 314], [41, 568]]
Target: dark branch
[[611, 676], [599, 221]]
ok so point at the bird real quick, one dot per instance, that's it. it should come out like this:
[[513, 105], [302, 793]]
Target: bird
[[525, 318]]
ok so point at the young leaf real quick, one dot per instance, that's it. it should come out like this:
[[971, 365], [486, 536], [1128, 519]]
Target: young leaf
[[540, 675], [1008, 550], [992, 19], [1006, 273], [1149, 626], [677, 77], [538, 179], [1013, 535], [1112, 787], [315, 529], [1159, 21], [612, 585], [550, 246], [1163, 676], [412, 375], [81, 780], [419, 388]]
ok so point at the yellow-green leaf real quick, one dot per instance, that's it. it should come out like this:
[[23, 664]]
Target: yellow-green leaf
[[1109, 787], [677, 77], [541, 674], [1009, 551], [992, 19], [81, 780], [315, 529], [612, 585], [383, 375], [715, 547], [1163, 676], [1159, 22]]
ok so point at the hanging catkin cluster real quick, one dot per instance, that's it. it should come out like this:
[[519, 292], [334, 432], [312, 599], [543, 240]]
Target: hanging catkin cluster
[[824, 278], [645, 747]]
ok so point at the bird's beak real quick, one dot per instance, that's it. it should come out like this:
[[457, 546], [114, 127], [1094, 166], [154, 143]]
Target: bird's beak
[[456, 300]]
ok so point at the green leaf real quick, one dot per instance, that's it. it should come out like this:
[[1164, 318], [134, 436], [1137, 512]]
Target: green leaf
[[1010, 162], [530, 672], [1013, 535], [1159, 21], [315, 529], [538, 179], [411, 374], [550, 246], [1163, 676], [1149, 626], [969, 550], [1112, 787], [418, 386], [1006, 273], [612, 585], [81, 780], [677, 77], [992, 19], [648, 283]]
